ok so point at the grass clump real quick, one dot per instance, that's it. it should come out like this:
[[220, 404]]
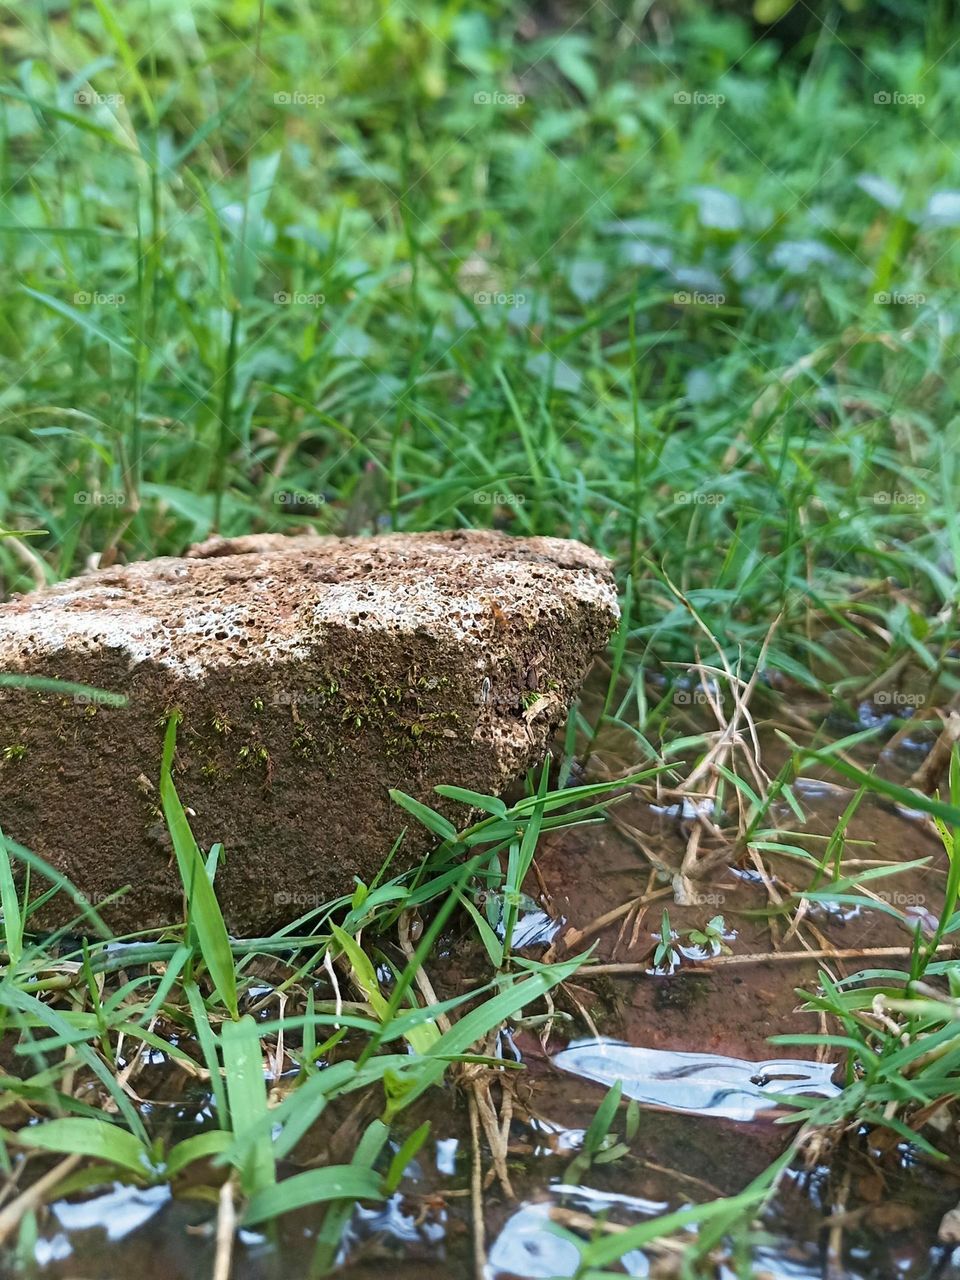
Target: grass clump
[[191, 995]]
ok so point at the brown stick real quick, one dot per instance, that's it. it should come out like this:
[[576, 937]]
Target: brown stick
[[226, 1232], [33, 1196], [476, 1191], [764, 957]]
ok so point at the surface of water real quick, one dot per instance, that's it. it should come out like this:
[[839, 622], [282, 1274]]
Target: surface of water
[[690, 1047], [697, 1083]]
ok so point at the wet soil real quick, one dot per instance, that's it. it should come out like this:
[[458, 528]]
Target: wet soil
[[590, 871], [851, 1211]]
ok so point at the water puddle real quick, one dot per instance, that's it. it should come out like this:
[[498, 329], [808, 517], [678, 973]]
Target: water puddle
[[691, 1045], [696, 1083], [119, 1213], [400, 1221], [530, 1247], [535, 929]]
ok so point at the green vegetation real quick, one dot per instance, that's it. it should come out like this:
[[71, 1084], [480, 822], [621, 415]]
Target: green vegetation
[[661, 280], [709, 337], [201, 981]]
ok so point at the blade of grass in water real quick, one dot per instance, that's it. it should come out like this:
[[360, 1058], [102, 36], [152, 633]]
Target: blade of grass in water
[[247, 1099]]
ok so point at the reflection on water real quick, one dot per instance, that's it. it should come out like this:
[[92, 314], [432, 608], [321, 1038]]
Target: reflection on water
[[702, 1083], [119, 1212], [527, 1246], [530, 1246], [396, 1221], [535, 929], [557, 1138], [447, 1156], [600, 1201]]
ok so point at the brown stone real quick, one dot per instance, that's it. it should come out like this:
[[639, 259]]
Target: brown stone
[[312, 674]]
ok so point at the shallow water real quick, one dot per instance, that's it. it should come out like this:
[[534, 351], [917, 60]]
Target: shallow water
[[690, 1046], [700, 1084]]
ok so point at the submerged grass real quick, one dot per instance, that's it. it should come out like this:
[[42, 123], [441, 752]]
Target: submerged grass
[[89, 1009]]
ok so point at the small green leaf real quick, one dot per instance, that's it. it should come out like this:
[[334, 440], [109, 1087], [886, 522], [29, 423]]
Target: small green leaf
[[489, 939], [200, 1147], [98, 1139], [363, 970], [247, 1097], [10, 905], [601, 1122], [421, 1037], [610, 1154], [203, 908], [429, 818], [404, 1155], [632, 1125], [336, 1182], [488, 804]]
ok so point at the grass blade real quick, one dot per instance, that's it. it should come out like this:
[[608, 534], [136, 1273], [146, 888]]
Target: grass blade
[[432, 820], [336, 1182], [202, 906], [247, 1096], [98, 1139], [10, 906]]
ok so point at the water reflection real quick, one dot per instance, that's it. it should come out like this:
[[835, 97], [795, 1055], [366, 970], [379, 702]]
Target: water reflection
[[117, 1213], [700, 1083], [530, 1246]]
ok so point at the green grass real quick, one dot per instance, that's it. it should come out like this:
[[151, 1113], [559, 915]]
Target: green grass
[[62, 1007], [503, 333], [658, 285]]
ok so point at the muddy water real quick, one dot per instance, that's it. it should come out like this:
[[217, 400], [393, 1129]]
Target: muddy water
[[688, 1041]]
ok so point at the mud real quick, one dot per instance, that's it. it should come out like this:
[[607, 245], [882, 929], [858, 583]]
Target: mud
[[589, 872]]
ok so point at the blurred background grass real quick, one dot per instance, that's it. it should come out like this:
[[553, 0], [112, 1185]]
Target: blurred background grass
[[675, 279]]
